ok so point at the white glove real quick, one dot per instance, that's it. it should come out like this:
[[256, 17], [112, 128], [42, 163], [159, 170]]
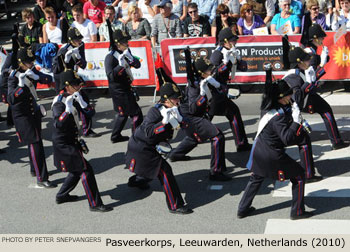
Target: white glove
[[230, 55], [176, 114], [310, 75], [76, 53], [77, 96], [324, 55], [296, 113], [21, 79], [165, 112], [68, 56], [69, 104], [128, 55], [31, 74], [203, 86], [121, 60], [234, 53], [213, 82]]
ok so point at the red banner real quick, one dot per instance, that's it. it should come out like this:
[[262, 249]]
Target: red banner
[[256, 50], [94, 74], [338, 68]]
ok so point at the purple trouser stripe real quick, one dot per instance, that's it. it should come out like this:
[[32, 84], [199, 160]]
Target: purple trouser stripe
[[83, 120], [35, 164], [330, 120], [300, 194], [87, 190], [216, 154], [168, 191], [236, 127], [307, 161]]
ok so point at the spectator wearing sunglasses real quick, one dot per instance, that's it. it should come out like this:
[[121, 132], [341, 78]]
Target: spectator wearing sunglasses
[[207, 7], [196, 25], [249, 21], [313, 15], [282, 18], [223, 20]]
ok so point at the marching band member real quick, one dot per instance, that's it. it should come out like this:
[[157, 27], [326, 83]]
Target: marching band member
[[120, 78], [72, 56], [27, 113], [225, 58], [68, 149], [200, 127], [299, 61], [314, 103], [160, 125], [279, 127]]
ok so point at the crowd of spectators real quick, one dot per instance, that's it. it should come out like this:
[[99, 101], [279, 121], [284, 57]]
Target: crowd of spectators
[[156, 20]]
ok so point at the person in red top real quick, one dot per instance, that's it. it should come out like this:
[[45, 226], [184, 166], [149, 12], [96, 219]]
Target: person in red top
[[94, 10]]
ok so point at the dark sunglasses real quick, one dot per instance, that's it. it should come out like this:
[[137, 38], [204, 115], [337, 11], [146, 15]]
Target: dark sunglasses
[[192, 12], [315, 8], [224, 13], [249, 10]]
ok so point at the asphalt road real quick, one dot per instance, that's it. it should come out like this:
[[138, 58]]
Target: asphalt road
[[26, 209]]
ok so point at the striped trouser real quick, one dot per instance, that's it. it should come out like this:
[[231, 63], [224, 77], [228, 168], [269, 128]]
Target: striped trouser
[[89, 183], [172, 192], [37, 160]]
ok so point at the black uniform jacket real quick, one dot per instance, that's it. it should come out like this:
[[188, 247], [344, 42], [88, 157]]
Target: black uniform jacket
[[6, 69], [119, 84], [268, 157], [59, 65], [219, 102], [300, 88], [25, 111], [66, 148], [142, 156], [194, 110]]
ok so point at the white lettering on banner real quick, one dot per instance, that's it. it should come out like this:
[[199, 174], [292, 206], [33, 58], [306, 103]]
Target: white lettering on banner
[[266, 52], [95, 69], [202, 50]]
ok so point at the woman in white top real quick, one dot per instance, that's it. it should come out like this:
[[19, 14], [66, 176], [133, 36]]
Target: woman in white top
[[52, 30], [149, 9], [123, 8], [342, 16], [86, 27]]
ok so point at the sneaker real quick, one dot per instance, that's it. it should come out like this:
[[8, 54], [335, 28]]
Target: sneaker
[[181, 210], [241, 215], [219, 177], [304, 215]]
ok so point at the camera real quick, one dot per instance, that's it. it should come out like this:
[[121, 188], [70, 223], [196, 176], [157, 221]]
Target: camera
[[83, 146]]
